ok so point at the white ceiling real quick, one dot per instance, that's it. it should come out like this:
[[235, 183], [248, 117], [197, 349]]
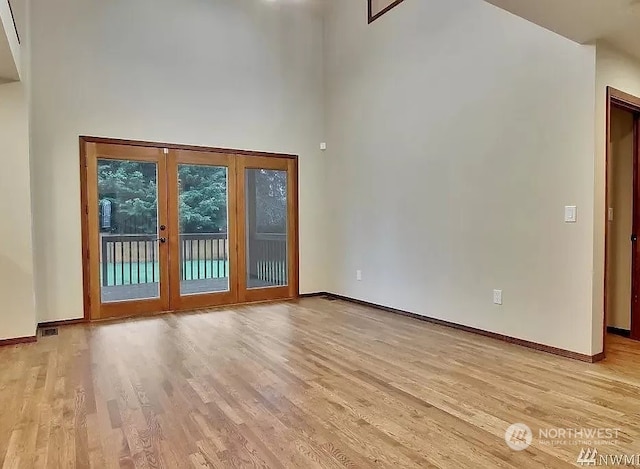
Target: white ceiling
[[584, 21]]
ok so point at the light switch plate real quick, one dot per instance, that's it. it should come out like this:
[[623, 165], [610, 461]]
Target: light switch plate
[[571, 214], [610, 216]]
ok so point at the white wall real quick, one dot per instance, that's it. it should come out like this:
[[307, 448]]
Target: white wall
[[228, 73], [457, 134], [17, 314], [622, 72], [477, 124]]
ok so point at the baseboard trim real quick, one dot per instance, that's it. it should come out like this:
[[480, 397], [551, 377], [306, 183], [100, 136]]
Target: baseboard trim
[[313, 295], [493, 335], [618, 331], [18, 341], [66, 322]]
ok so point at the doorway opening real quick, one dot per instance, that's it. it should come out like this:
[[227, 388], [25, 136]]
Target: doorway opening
[[622, 255], [169, 228]]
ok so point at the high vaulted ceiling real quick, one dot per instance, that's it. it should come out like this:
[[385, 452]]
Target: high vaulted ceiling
[[9, 47], [8, 70], [584, 21]]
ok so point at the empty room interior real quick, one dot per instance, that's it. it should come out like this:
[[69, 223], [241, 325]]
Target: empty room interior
[[319, 233]]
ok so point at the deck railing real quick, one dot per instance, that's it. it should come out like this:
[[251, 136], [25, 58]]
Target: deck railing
[[268, 259], [129, 259], [204, 255], [134, 259]]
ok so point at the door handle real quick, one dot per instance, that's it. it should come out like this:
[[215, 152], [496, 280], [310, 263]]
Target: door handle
[[634, 238], [162, 240]]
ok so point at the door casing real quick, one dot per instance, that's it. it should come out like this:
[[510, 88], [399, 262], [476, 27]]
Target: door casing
[[617, 98], [635, 257]]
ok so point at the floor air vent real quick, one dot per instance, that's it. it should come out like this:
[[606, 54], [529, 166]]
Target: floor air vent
[[49, 331]]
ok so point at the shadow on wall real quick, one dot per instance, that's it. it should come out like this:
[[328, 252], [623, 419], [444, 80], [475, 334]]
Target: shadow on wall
[[17, 315]]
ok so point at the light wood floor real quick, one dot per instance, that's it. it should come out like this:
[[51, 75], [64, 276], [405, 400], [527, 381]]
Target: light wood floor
[[311, 384]]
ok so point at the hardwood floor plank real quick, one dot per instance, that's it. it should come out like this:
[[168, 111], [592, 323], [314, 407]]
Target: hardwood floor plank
[[306, 384]]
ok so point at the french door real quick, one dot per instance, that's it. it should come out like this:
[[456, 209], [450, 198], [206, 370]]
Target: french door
[[170, 229], [267, 228]]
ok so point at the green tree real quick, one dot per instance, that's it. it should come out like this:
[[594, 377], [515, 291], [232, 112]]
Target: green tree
[[271, 200], [203, 198], [130, 189]]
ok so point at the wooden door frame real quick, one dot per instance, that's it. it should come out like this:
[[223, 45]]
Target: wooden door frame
[[635, 259], [291, 290], [191, 157], [84, 140], [108, 151], [620, 99]]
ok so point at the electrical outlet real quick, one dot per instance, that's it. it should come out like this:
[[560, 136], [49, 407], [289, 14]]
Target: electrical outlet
[[497, 297], [359, 275]]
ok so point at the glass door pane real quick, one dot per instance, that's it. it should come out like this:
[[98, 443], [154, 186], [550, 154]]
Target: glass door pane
[[203, 197], [266, 228], [128, 230]]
